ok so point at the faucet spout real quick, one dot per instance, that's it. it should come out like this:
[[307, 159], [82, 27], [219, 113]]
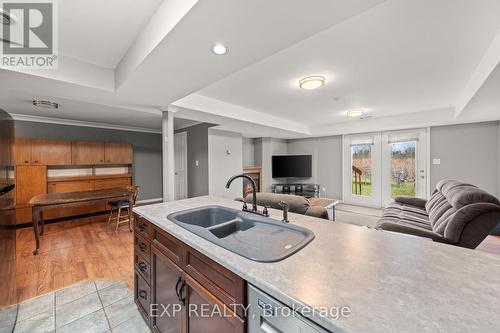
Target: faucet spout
[[254, 188]]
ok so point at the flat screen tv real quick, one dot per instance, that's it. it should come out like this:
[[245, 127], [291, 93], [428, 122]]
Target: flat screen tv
[[295, 166]]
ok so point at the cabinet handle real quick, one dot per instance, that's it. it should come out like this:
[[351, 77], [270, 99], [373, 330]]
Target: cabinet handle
[[181, 293], [143, 294], [142, 266], [177, 288], [26, 162], [36, 161]]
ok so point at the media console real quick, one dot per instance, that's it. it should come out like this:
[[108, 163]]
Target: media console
[[305, 190]]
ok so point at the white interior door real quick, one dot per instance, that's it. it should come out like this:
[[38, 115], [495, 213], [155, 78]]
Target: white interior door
[[180, 156], [404, 164], [362, 183]]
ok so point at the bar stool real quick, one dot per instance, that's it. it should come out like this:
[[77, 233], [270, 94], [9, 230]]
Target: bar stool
[[123, 205]]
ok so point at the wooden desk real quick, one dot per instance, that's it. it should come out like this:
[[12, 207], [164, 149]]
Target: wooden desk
[[39, 202]]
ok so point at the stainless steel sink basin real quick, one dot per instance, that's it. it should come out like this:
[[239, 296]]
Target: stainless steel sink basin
[[254, 237]]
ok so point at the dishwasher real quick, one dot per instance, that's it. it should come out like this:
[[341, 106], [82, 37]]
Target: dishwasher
[[267, 315]]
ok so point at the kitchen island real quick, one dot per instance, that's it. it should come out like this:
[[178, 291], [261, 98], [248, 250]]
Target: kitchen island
[[389, 282]]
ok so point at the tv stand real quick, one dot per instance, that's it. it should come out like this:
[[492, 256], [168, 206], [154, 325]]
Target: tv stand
[[305, 190]]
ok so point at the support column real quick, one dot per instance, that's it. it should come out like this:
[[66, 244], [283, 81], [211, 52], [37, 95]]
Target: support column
[[168, 155]]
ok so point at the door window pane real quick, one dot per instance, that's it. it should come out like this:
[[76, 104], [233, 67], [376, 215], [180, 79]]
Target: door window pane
[[361, 169], [403, 168]]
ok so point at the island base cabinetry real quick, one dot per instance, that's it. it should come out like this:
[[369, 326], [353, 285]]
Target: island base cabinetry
[[178, 289]]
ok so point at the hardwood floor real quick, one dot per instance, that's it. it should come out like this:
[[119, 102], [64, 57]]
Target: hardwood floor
[[86, 249], [72, 251]]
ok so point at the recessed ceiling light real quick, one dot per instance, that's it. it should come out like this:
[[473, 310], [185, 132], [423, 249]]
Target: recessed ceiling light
[[312, 82], [45, 104], [219, 49], [355, 113]]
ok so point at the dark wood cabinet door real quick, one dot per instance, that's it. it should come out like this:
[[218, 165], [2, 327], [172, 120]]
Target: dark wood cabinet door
[[87, 153], [118, 153], [207, 314], [166, 281]]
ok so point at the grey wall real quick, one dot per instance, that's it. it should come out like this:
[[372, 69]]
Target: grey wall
[[222, 165], [147, 148], [468, 152], [270, 147], [248, 152], [257, 151], [197, 150], [326, 162]]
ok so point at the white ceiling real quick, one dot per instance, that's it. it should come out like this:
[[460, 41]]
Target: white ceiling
[[401, 59], [100, 32], [403, 56]]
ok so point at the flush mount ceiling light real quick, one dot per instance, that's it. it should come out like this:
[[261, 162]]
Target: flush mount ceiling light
[[312, 82], [45, 104], [219, 49], [355, 113]]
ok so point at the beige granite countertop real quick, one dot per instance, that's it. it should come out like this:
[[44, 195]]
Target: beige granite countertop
[[390, 282]]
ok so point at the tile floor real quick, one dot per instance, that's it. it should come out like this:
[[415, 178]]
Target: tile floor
[[86, 307]]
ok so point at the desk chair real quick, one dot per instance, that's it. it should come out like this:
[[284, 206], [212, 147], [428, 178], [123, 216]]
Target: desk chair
[[121, 207]]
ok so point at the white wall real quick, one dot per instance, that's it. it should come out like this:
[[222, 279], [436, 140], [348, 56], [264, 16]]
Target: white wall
[[269, 148], [467, 152], [248, 152], [221, 165], [326, 162]]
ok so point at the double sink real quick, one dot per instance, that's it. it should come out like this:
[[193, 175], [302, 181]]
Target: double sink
[[252, 236]]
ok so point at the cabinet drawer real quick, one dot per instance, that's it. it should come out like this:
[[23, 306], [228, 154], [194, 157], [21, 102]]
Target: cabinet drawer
[[101, 184], [142, 296], [142, 267], [221, 282], [143, 247], [169, 246], [142, 227], [70, 186]]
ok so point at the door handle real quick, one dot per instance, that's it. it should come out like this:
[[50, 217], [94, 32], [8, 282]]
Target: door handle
[[268, 328]]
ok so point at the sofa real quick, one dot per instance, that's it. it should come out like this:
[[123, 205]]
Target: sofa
[[297, 204], [457, 213]]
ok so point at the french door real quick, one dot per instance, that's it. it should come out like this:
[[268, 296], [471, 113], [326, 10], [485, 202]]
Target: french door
[[380, 166], [404, 164]]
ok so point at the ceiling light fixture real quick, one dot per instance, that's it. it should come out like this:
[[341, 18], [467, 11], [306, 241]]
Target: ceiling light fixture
[[312, 82], [219, 49], [355, 113], [45, 104]]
